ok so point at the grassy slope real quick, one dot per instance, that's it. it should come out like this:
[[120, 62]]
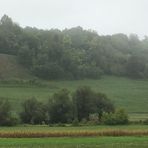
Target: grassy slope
[[124, 92], [130, 94], [10, 69]]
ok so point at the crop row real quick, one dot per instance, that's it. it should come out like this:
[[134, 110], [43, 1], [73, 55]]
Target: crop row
[[73, 134]]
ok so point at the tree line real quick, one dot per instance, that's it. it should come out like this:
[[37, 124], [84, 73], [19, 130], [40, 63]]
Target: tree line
[[84, 105], [74, 53]]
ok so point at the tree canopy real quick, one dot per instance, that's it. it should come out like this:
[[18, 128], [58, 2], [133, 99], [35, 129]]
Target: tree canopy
[[74, 53]]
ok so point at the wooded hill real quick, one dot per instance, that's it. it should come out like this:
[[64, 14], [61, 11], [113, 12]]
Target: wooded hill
[[74, 53]]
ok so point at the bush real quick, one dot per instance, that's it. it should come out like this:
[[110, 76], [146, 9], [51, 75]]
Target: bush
[[34, 112], [75, 122], [60, 107], [145, 122], [87, 102], [93, 119], [12, 121], [83, 121], [83, 103], [6, 118], [120, 117], [49, 71]]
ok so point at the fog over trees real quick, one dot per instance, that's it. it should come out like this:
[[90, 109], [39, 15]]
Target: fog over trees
[[74, 53]]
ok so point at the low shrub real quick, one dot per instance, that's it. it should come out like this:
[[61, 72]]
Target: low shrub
[[120, 117], [6, 117], [145, 122], [75, 122], [93, 119]]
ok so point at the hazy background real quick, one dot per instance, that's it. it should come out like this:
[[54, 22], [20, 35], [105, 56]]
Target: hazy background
[[104, 16]]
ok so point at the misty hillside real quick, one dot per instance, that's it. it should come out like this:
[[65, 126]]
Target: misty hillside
[[73, 53]]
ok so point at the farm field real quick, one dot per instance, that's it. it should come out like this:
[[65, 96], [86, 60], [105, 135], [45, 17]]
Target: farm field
[[110, 141], [125, 93], [29, 131]]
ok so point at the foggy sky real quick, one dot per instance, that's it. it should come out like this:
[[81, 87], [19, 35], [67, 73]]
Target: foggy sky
[[104, 16]]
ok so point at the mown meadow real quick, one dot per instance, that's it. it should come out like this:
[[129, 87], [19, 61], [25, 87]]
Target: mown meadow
[[97, 142]]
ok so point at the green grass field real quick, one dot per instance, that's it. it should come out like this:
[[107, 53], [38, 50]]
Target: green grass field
[[97, 142], [46, 128], [126, 93]]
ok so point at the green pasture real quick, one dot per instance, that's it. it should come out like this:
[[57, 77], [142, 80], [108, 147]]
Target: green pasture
[[97, 142], [125, 93], [46, 128]]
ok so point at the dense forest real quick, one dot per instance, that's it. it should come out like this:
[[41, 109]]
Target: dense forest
[[74, 53]]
